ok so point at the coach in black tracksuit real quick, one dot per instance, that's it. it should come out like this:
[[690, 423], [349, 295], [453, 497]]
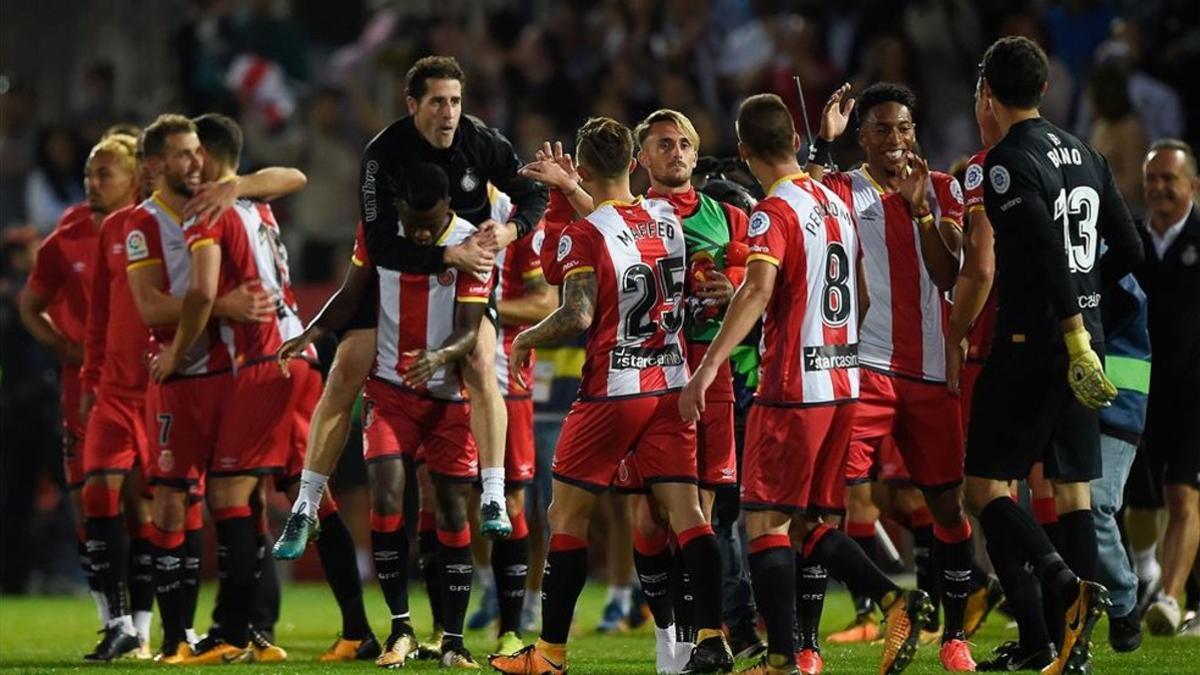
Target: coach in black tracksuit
[[1050, 199]]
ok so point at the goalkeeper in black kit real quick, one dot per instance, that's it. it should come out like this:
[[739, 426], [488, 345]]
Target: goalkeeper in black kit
[[1051, 199]]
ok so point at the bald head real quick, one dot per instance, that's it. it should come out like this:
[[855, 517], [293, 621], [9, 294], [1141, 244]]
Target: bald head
[[1169, 182]]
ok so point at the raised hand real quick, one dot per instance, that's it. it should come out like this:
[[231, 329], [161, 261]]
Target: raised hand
[[914, 184], [836, 115]]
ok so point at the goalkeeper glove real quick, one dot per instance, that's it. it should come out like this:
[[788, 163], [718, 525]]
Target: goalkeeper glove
[[1085, 373]]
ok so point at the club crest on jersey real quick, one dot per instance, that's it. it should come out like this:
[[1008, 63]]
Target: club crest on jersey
[[469, 180], [136, 247], [1000, 179], [564, 247], [956, 191], [1189, 256], [538, 239], [759, 224], [974, 177], [166, 461], [446, 277]]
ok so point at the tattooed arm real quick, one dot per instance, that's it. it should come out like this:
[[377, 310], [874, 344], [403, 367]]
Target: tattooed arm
[[570, 319]]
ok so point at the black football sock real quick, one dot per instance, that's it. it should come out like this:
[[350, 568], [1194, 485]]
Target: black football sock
[[389, 546], [838, 554], [953, 550], [1022, 590], [427, 546], [566, 573], [683, 599], [193, 553], [1077, 533], [141, 574], [268, 598], [773, 577], [237, 535], [168, 553], [106, 550], [702, 557], [335, 548], [653, 562], [811, 582], [510, 565], [863, 534], [1032, 545], [928, 575], [455, 571]]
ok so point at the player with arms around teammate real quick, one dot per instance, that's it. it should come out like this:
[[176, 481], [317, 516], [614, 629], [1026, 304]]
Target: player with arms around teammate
[[910, 222], [804, 276], [1050, 199], [623, 277]]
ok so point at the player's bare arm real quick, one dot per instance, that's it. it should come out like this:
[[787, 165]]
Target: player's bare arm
[[539, 301], [458, 344], [266, 184], [970, 291], [572, 318], [33, 315], [744, 311], [338, 310], [940, 242], [248, 303], [834, 120], [194, 314]]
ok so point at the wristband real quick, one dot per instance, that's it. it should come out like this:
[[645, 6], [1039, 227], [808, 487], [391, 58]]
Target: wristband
[[925, 219], [820, 151], [1078, 341]]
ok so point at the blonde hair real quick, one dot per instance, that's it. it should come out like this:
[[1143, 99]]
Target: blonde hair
[[121, 146], [667, 115]]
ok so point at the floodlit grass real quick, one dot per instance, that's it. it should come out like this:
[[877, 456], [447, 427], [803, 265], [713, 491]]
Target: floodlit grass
[[43, 635]]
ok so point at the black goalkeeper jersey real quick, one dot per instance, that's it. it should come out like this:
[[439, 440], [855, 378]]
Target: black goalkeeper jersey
[[478, 155], [1051, 200]]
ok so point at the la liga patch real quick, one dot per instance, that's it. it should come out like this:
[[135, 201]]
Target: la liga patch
[[1000, 179], [136, 247], [759, 224]]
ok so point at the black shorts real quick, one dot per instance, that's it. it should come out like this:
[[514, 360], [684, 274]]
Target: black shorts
[[1024, 412], [1172, 436], [1144, 487]]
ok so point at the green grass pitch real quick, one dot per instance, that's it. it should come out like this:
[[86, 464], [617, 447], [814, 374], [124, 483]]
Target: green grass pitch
[[48, 635]]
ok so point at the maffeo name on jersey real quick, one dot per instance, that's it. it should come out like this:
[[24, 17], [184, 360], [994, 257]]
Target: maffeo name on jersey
[[646, 229], [1060, 155]]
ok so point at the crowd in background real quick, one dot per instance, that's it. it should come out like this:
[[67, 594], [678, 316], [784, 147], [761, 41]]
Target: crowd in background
[[311, 81]]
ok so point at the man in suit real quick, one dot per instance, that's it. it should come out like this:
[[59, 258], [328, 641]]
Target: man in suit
[[1170, 275]]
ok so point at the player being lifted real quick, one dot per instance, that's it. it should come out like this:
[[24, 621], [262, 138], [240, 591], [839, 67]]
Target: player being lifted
[[909, 220], [623, 279], [1050, 199], [804, 276]]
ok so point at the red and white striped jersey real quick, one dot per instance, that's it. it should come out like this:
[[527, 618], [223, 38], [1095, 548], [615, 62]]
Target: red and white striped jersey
[[251, 250], [635, 343], [416, 312], [154, 236], [810, 327], [516, 265], [979, 340], [905, 330]]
